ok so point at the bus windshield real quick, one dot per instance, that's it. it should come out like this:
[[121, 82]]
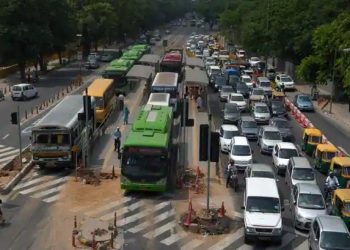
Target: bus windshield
[[172, 91], [61, 139], [144, 166]]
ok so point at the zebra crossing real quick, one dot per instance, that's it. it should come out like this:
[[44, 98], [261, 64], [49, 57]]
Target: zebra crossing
[[43, 186], [156, 220], [7, 154]]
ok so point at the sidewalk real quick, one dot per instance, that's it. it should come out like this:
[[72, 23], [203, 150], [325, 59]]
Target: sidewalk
[[340, 112]]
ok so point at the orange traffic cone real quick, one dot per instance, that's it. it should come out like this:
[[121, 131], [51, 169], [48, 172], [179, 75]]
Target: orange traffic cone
[[222, 210], [189, 215]]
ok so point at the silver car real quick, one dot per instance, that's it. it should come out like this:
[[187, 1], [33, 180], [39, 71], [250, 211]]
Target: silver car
[[268, 137], [328, 232], [308, 203], [225, 93], [248, 127], [261, 112], [260, 170]]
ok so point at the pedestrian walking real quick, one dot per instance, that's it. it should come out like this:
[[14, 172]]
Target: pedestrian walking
[[199, 102], [283, 88], [126, 115], [117, 137], [121, 99]]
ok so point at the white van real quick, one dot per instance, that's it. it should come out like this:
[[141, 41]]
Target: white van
[[240, 152], [262, 210], [23, 91], [159, 99]]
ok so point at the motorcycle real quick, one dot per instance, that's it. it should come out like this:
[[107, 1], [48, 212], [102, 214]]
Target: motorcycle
[[233, 179], [328, 192]]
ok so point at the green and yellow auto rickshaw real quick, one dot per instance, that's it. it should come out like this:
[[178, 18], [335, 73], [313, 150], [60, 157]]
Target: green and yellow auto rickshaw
[[311, 137], [340, 166], [341, 205], [324, 153]]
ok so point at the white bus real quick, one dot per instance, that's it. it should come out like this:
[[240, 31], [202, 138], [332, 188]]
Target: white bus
[[159, 99], [167, 82]]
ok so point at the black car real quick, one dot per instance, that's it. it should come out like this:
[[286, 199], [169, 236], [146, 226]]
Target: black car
[[219, 82], [277, 108], [212, 78], [284, 128], [233, 81], [243, 89], [232, 114]]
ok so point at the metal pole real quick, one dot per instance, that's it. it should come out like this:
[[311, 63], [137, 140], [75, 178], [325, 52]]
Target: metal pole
[[209, 143], [184, 131], [76, 165], [87, 129], [333, 83], [19, 136]]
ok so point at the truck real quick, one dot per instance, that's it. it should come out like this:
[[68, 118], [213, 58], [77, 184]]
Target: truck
[[172, 61]]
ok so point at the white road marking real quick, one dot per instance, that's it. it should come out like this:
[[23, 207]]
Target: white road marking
[[107, 207], [45, 185], [245, 247], [228, 240], [3, 149], [7, 159], [10, 153], [173, 238], [192, 244], [158, 231], [303, 245], [122, 211], [31, 182], [49, 191], [52, 199], [5, 136]]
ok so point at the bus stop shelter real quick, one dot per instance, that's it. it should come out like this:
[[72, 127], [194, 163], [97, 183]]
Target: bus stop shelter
[[140, 73], [196, 82], [150, 60], [194, 62]]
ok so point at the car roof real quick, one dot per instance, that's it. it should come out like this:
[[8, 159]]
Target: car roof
[[260, 104], [229, 127], [308, 188], [270, 128], [21, 84], [214, 67], [331, 223], [246, 76], [240, 140], [236, 94], [230, 104], [300, 162], [247, 118], [261, 187], [288, 145], [261, 167], [260, 78]]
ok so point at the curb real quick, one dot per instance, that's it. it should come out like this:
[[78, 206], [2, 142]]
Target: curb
[[17, 178]]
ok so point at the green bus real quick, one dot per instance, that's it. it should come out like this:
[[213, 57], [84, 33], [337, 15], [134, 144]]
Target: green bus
[[147, 151]]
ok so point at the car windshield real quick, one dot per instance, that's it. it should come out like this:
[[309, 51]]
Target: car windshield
[[249, 124], [16, 88], [287, 153], [246, 79], [286, 79], [228, 134], [304, 98], [210, 60], [263, 174], [241, 150], [315, 139], [258, 92], [242, 87], [262, 109], [231, 108], [263, 205], [303, 174], [346, 207], [237, 98], [272, 135], [226, 89], [311, 201], [334, 240], [265, 84], [99, 102], [281, 124]]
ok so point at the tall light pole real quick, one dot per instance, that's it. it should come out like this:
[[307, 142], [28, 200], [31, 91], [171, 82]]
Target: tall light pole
[[333, 77], [81, 58]]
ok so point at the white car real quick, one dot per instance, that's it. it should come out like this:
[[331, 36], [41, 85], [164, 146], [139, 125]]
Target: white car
[[247, 80], [23, 91], [281, 154], [239, 100], [193, 47], [254, 60], [241, 152], [240, 53], [286, 80], [198, 54], [225, 92], [213, 70], [268, 137], [209, 61], [215, 55], [227, 132], [261, 112], [206, 53]]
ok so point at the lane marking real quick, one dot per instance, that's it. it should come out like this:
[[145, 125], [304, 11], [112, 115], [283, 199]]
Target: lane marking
[[192, 244], [304, 245], [5, 136], [12, 152], [45, 185], [49, 191], [6, 159], [174, 238], [52, 199], [31, 182], [228, 240], [108, 206], [160, 230], [123, 210]]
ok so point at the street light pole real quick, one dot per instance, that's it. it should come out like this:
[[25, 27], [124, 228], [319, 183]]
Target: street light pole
[[81, 58]]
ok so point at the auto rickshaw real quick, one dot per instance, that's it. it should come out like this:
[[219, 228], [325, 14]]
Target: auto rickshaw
[[311, 137], [341, 205], [278, 95], [324, 153], [340, 166]]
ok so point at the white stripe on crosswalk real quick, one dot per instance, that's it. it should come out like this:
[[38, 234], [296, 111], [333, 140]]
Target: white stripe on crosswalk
[[122, 211], [45, 185], [2, 146], [49, 191], [158, 231], [115, 204], [7, 149], [303, 245], [245, 247], [173, 238], [31, 182], [153, 221], [192, 244], [12, 152], [52, 198], [7, 159], [228, 240]]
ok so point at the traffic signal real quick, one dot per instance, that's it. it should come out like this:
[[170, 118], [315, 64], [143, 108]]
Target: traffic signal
[[214, 146], [14, 119], [203, 142]]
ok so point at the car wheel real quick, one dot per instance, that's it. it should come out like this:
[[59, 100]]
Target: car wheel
[[246, 239]]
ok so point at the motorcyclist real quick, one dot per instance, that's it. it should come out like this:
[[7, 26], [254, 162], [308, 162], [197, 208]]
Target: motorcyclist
[[331, 183], [231, 168]]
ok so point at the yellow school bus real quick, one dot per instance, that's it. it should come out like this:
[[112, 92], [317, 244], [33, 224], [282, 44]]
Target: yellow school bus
[[102, 90]]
